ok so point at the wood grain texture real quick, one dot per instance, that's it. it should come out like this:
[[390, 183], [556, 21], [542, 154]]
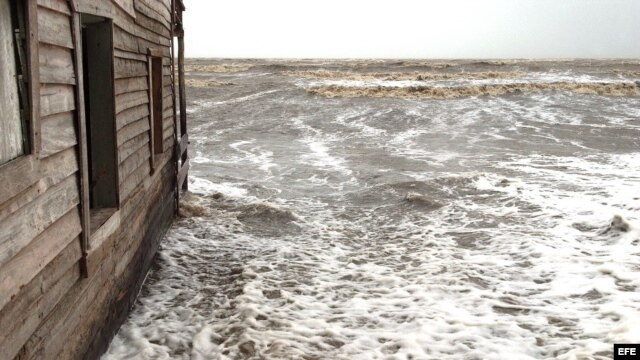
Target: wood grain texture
[[56, 65], [23, 267], [135, 179], [81, 126], [21, 317], [131, 115], [54, 28], [104, 223], [127, 68], [132, 130], [55, 99], [154, 10], [50, 171], [24, 168], [58, 133], [134, 161], [130, 147], [124, 41], [124, 54], [153, 25], [127, 6], [112, 288], [61, 6], [33, 50], [21, 227], [130, 100], [130, 85]]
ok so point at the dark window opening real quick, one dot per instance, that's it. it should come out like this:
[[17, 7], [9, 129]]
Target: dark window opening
[[97, 61], [155, 75]]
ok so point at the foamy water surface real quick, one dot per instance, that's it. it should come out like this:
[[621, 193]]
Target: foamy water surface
[[387, 228]]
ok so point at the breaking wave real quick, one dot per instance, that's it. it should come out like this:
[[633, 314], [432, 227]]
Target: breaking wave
[[217, 68], [260, 217], [265, 211], [627, 73], [452, 92], [395, 76]]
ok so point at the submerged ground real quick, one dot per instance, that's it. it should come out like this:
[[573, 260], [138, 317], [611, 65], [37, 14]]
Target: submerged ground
[[401, 210]]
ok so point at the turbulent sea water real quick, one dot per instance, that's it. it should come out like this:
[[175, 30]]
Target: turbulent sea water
[[401, 210]]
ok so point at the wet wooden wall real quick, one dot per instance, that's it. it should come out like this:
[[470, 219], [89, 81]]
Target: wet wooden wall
[[63, 291]]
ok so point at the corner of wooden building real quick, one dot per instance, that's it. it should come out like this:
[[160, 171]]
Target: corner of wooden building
[[93, 158]]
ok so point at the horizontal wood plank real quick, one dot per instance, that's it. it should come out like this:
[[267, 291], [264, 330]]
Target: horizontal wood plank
[[56, 65], [157, 27], [130, 100], [127, 6], [24, 267], [56, 99], [24, 315], [133, 84], [132, 115], [31, 220], [130, 164], [58, 133], [16, 176], [135, 179], [126, 68], [130, 147], [132, 130], [153, 10], [50, 171], [124, 41], [124, 54], [61, 6], [54, 28]]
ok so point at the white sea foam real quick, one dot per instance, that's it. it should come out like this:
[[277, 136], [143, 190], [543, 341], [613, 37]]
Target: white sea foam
[[205, 187], [257, 155], [319, 154], [532, 78]]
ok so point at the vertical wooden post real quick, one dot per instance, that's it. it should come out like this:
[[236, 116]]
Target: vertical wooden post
[[152, 128], [34, 76], [176, 138], [82, 140], [183, 100]]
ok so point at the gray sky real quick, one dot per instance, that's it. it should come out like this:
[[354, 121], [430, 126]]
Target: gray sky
[[413, 28]]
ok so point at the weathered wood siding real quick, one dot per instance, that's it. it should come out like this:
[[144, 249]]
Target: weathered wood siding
[[59, 298]]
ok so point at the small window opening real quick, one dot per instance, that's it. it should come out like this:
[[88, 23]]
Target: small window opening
[[157, 106]]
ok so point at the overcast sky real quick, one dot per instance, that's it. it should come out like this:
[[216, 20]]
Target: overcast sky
[[413, 28]]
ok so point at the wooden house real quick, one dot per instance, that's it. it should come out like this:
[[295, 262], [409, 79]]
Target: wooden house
[[92, 159]]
